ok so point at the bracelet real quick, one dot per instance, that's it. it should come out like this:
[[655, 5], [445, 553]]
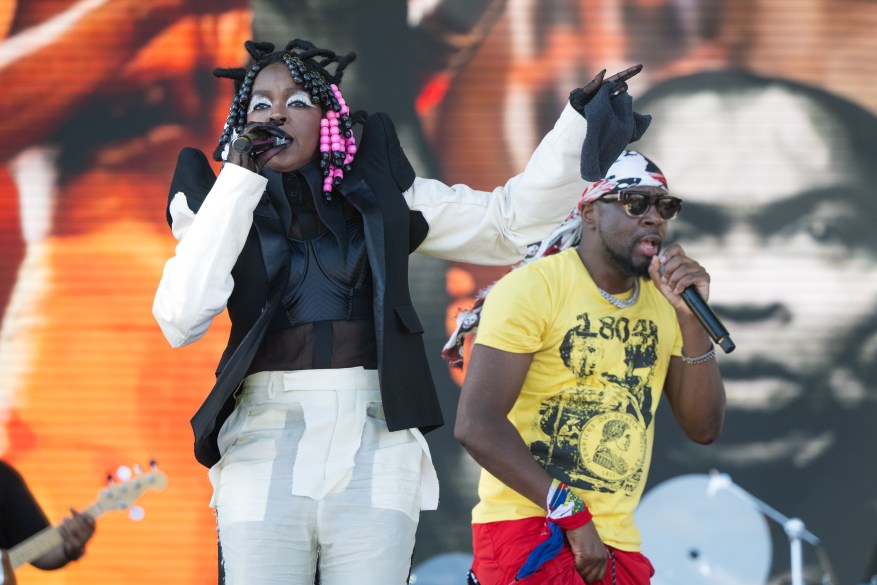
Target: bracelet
[[566, 511], [565, 508], [693, 361]]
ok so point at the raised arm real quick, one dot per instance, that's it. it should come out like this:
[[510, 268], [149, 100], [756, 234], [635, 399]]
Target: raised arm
[[495, 227], [197, 281]]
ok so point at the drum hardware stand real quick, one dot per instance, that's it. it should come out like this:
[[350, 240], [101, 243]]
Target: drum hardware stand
[[793, 527]]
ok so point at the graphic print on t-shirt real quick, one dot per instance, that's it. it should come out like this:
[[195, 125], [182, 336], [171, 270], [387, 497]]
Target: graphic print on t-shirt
[[596, 431]]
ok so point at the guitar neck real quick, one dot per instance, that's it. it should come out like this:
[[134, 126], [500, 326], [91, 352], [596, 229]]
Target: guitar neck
[[43, 541], [114, 497]]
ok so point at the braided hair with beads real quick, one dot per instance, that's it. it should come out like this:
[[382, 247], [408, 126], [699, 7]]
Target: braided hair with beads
[[307, 65]]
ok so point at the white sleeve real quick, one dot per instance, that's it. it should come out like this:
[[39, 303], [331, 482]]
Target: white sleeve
[[197, 281], [495, 227]]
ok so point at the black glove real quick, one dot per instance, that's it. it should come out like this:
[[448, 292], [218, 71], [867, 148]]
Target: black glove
[[612, 126]]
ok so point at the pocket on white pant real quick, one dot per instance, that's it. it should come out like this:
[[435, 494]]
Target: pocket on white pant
[[396, 466], [256, 436]]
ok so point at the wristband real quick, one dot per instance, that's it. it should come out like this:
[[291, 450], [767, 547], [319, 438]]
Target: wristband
[[565, 508], [566, 511]]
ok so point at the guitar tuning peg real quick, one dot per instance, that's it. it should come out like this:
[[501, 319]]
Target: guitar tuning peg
[[123, 473], [138, 471], [110, 480], [136, 513], [153, 464]]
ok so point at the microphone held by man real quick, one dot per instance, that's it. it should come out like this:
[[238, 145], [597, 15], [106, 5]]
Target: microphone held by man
[[707, 317]]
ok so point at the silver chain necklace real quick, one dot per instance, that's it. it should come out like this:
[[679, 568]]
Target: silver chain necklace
[[622, 303]]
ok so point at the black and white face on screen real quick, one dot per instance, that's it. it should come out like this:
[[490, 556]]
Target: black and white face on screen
[[780, 203]]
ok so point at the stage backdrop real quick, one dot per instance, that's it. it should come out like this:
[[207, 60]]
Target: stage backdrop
[[764, 122]]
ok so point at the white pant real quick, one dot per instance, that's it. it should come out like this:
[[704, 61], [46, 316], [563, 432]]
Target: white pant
[[309, 466]]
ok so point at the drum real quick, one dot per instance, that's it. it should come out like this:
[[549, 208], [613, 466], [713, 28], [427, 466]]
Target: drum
[[696, 532]]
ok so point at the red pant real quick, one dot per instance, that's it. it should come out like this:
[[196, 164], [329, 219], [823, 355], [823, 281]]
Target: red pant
[[502, 547]]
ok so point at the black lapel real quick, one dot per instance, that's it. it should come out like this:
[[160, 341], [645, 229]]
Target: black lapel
[[271, 220], [331, 213], [277, 196], [363, 199]]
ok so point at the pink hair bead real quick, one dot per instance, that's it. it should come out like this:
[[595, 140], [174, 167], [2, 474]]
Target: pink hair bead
[[336, 140]]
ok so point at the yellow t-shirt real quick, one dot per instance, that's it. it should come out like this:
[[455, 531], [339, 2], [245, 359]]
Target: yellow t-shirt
[[587, 406]]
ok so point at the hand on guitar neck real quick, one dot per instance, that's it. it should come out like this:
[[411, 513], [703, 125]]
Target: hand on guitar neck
[[74, 533], [55, 546], [71, 536]]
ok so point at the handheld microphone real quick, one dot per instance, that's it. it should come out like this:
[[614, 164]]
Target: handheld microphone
[[259, 139], [710, 321], [717, 331]]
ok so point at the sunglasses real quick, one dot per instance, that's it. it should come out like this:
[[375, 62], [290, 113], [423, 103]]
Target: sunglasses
[[637, 203]]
